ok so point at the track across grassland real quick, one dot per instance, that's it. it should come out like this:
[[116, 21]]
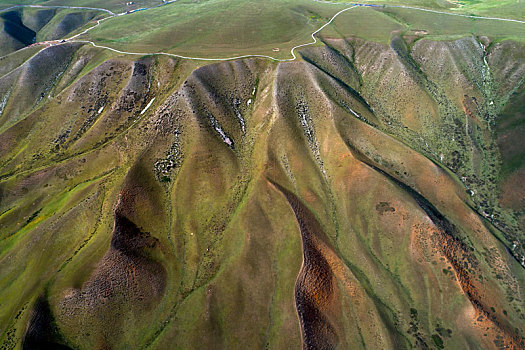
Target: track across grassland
[[75, 37]]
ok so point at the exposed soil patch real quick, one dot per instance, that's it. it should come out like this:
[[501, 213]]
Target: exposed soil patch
[[126, 283], [314, 288], [465, 264]]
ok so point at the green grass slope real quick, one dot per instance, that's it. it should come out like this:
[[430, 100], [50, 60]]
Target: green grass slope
[[491, 8], [112, 5], [336, 201], [368, 195], [216, 28]]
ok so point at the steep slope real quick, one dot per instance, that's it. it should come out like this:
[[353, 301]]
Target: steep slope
[[24, 26], [337, 201]]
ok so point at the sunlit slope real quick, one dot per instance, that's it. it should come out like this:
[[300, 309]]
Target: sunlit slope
[[349, 199]]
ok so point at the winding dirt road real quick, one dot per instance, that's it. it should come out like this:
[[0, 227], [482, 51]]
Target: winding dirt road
[[294, 57]]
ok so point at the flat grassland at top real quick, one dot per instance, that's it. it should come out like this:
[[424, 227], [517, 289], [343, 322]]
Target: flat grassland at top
[[230, 28], [116, 6], [513, 9], [217, 28]]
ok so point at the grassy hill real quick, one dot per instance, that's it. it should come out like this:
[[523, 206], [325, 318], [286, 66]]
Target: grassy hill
[[491, 8], [366, 195], [22, 27], [229, 28], [112, 5]]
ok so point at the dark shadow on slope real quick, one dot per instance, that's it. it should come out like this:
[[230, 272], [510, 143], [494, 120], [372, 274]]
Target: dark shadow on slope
[[347, 87], [129, 239], [13, 26], [42, 332], [346, 59]]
